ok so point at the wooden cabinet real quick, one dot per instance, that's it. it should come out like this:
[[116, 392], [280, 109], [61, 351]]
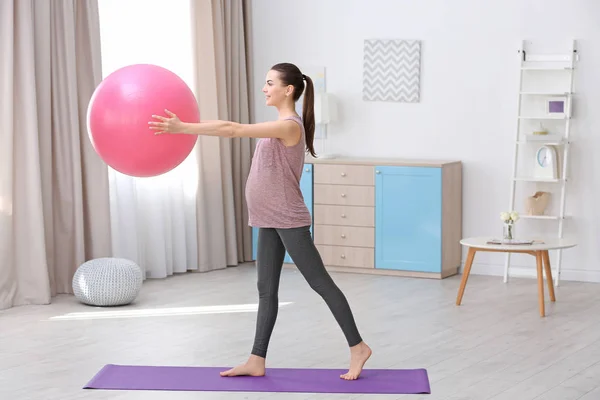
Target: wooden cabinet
[[390, 217], [408, 215], [344, 221]]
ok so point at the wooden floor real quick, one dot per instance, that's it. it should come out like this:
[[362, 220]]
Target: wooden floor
[[494, 346]]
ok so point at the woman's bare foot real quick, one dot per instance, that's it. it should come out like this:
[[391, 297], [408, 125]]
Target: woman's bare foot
[[255, 366], [359, 355]]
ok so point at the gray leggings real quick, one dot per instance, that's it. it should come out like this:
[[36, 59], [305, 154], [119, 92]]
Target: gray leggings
[[272, 244]]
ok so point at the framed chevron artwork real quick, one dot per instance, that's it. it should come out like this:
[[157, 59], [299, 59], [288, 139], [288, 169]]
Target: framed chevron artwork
[[392, 70]]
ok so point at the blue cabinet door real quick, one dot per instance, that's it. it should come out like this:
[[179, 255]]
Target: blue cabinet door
[[306, 187], [408, 218]]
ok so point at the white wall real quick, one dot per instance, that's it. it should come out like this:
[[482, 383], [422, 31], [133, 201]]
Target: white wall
[[468, 96]]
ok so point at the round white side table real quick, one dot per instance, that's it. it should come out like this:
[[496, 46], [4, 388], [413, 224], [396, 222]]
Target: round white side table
[[539, 249]]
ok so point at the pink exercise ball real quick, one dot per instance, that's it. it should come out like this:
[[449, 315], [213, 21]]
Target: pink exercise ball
[[118, 115]]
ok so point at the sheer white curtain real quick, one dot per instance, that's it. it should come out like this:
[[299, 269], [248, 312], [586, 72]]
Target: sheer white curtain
[[192, 218], [153, 220]]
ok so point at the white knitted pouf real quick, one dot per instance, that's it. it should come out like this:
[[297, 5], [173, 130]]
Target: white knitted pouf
[[107, 282]]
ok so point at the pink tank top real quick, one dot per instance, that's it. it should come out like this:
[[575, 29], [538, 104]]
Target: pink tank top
[[273, 191]]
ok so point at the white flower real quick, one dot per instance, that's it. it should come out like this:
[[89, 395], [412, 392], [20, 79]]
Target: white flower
[[509, 217], [514, 216]]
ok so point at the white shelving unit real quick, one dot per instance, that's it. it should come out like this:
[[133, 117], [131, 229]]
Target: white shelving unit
[[542, 77]]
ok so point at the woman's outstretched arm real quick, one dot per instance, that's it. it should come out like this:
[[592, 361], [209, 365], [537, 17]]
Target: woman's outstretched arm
[[286, 130]]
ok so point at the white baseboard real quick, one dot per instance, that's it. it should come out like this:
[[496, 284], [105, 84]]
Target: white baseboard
[[528, 272]]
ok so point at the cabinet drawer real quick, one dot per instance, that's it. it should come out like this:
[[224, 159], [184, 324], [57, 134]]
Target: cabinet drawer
[[341, 174], [344, 195], [344, 215], [345, 236], [340, 256]]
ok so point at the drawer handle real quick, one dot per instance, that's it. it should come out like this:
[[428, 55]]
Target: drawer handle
[[343, 215], [377, 172], [343, 236], [343, 174], [343, 194], [343, 256], [307, 169]]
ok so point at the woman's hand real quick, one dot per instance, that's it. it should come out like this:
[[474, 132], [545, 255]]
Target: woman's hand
[[167, 125]]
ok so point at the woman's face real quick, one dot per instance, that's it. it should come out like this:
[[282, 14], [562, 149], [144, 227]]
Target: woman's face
[[276, 93]]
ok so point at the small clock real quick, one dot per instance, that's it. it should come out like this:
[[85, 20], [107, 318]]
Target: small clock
[[546, 163]]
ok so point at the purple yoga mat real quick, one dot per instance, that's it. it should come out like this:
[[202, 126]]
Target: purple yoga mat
[[387, 381]]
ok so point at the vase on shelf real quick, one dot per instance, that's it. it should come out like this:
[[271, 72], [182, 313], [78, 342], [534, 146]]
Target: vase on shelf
[[509, 231]]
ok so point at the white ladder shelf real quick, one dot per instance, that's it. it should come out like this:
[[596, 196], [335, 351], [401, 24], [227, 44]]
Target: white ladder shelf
[[544, 78]]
